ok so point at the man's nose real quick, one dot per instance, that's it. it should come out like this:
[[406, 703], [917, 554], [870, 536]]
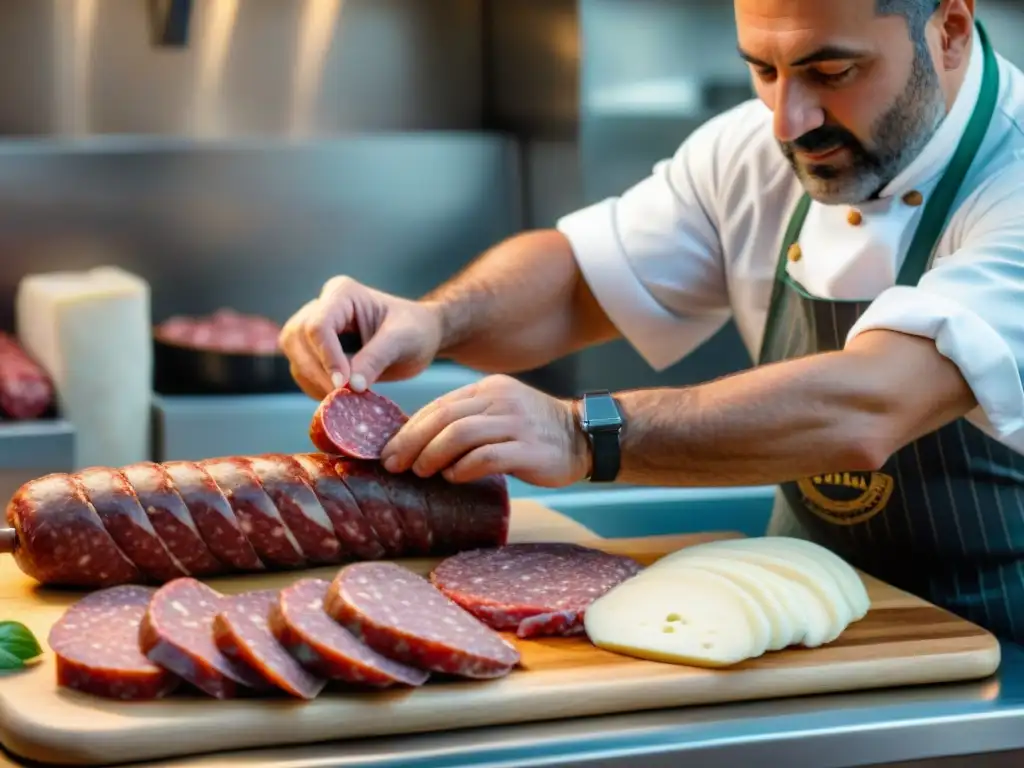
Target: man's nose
[[796, 111]]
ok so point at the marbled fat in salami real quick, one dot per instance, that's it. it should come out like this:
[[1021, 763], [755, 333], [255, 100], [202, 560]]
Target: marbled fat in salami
[[213, 516], [533, 589], [61, 540], [258, 516], [355, 424], [282, 479], [171, 518], [96, 643], [242, 632], [364, 482], [400, 614], [354, 531], [323, 646], [177, 634], [114, 500]]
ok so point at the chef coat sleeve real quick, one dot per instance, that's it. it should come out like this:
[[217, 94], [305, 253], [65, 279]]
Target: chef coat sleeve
[[971, 302], [652, 256]]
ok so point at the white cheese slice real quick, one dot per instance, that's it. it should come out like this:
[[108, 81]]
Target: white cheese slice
[[695, 617], [780, 603], [849, 580], [91, 331], [798, 568]]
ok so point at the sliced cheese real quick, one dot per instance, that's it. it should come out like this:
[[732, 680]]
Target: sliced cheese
[[780, 603], [695, 617], [849, 580], [90, 330], [803, 571]]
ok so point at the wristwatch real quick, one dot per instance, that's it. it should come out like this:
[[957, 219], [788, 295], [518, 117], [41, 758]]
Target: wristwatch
[[601, 421]]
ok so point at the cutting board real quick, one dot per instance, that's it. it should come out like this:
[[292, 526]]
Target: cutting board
[[902, 641]]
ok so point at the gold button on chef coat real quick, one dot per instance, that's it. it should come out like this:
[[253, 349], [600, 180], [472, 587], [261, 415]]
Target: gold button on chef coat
[[794, 253], [854, 217], [913, 198]]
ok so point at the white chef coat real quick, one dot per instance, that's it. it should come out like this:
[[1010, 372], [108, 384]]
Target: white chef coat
[[696, 242]]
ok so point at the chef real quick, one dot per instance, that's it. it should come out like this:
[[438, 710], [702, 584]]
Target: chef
[[861, 220]]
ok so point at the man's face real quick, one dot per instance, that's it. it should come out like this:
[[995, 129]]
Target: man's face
[[854, 100]]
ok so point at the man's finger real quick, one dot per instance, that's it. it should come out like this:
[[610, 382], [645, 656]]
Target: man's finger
[[462, 436], [509, 458], [405, 447], [307, 364]]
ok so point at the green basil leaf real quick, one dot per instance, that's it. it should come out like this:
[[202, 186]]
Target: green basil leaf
[[17, 640], [9, 661]]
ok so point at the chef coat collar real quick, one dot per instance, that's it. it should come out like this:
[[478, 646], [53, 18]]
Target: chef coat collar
[[933, 159]]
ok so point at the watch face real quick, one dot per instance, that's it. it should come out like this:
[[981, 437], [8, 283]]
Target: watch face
[[601, 411]]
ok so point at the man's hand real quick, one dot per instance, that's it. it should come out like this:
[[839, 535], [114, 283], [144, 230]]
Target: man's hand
[[400, 338], [495, 426]]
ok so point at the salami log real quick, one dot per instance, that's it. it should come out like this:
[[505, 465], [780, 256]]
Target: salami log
[[68, 546], [26, 389], [96, 644], [323, 646], [532, 589], [355, 424], [150, 523], [177, 634], [242, 633], [400, 614]]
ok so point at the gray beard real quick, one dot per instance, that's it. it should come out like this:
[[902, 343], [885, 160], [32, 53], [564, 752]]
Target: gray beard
[[899, 136]]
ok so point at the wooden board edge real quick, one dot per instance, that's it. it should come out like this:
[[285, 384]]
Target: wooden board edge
[[50, 745]]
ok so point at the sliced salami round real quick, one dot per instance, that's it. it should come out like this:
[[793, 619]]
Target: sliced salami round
[[171, 518], [324, 647], [355, 424], [364, 482], [258, 516], [282, 479], [400, 614], [354, 531], [408, 495], [118, 507], [177, 634], [533, 589], [242, 633], [62, 540], [96, 643], [213, 516], [466, 516]]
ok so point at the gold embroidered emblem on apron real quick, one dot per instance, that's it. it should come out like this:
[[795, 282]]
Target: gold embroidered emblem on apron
[[847, 498]]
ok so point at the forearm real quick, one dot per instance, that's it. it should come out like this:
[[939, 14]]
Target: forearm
[[829, 412], [520, 305]]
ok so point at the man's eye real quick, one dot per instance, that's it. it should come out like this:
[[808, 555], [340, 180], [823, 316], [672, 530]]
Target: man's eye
[[765, 74], [833, 78]]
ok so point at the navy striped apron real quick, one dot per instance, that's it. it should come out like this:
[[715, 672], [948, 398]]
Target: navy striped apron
[[944, 518]]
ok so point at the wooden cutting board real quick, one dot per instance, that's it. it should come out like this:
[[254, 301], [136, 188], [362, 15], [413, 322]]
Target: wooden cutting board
[[902, 641]]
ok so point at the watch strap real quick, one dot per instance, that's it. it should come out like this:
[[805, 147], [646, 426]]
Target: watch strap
[[605, 456]]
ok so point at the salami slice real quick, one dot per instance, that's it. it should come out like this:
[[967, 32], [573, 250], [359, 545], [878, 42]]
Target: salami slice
[[257, 514], [281, 478], [26, 389], [171, 518], [355, 424], [354, 531], [242, 633], [400, 614], [532, 588], [118, 507], [213, 516], [364, 482], [467, 516], [96, 643], [62, 540], [325, 647], [408, 495], [177, 634]]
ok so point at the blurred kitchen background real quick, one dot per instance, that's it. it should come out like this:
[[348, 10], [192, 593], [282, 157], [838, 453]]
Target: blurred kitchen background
[[237, 153]]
